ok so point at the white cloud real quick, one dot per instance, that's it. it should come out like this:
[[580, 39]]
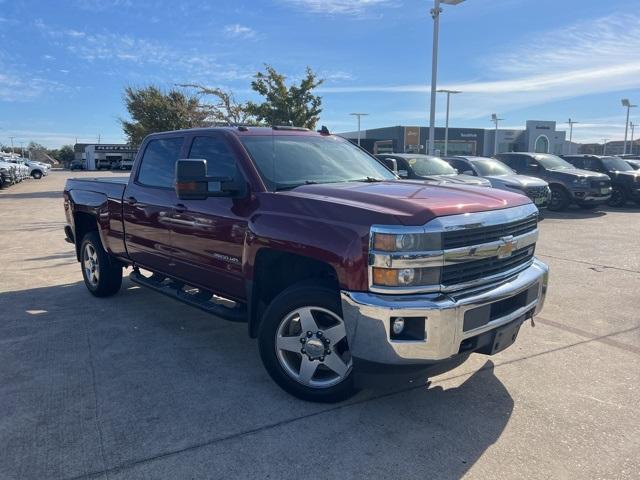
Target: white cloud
[[239, 31], [345, 7], [587, 58]]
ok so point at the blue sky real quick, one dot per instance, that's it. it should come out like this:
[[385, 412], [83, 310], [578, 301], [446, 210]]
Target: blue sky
[[64, 64]]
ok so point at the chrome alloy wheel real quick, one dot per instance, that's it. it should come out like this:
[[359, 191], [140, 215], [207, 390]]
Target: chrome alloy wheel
[[311, 346], [90, 264]]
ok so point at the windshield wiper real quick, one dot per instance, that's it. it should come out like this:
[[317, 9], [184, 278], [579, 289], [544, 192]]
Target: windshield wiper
[[295, 185], [368, 180]]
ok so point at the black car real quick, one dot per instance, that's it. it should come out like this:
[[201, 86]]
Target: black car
[[625, 181], [568, 184], [428, 168], [77, 165]]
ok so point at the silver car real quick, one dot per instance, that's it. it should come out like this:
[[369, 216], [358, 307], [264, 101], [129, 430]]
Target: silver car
[[503, 177]]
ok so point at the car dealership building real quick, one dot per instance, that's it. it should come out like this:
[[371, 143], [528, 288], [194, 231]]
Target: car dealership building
[[537, 136]]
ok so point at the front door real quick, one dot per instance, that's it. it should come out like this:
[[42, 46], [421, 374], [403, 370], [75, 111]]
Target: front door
[[148, 205], [208, 235]]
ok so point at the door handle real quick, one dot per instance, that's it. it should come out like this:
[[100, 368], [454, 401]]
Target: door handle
[[131, 200], [180, 208]]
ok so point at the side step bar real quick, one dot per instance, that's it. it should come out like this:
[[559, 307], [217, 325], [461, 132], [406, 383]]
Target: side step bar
[[237, 314]]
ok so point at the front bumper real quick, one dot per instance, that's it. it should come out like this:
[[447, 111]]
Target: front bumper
[[591, 197], [368, 318]]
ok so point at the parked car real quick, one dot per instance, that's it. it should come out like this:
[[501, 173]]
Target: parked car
[[503, 177], [122, 164], [428, 168], [625, 181], [22, 170], [635, 164], [339, 268], [568, 184], [103, 164], [37, 170], [77, 165], [8, 174]]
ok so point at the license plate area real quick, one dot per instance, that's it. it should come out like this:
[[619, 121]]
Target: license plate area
[[604, 191], [506, 335]]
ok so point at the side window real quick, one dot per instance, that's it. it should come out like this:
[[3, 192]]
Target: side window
[[220, 160], [461, 166], [579, 162], [159, 162]]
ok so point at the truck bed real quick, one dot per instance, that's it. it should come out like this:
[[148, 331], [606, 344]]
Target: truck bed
[[112, 187]]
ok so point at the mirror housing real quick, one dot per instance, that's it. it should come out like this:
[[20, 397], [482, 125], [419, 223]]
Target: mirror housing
[[391, 164], [403, 174], [192, 182]]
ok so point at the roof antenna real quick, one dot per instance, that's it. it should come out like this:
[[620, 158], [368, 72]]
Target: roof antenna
[[324, 130]]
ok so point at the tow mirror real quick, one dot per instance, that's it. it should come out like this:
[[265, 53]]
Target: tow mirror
[[403, 174], [192, 182], [391, 164]]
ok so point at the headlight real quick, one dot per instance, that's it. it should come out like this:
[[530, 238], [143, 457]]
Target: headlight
[[406, 242], [405, 277], [581, 181]]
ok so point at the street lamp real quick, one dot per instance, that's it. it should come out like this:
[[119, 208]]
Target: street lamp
[[571, 124], [359, 115], [446, 125], [604, 146], [626, 103], [633, 126], [495, 120], [435, 14]]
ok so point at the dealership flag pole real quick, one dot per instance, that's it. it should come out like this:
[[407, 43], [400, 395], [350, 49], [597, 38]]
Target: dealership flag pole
[[626, 103], [359, 115], [571, 123], [495, 120], [632, 125]]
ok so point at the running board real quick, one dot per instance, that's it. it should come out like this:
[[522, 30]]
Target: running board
[[237, 314]]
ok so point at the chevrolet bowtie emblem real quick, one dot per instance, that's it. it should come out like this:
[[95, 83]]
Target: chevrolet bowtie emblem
[[507, 247]]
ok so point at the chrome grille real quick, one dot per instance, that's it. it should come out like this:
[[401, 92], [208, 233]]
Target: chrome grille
[[473, 236], [469, 271], [537, 192]]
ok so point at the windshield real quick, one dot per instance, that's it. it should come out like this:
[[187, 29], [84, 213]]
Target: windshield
[[488, 167], [552, 162], [288, 161], [424, 166], [616, 164]]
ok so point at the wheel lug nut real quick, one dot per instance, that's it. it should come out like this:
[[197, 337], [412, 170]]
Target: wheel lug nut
[[302, 351], [327, 341], [322, 359], [303, 340], [319, 334], [309, 334]]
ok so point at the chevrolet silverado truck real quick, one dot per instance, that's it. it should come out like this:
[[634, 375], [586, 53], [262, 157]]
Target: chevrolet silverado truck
[[338, 268]]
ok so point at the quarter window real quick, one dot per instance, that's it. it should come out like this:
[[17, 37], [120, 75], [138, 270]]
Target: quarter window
[[159, 162]]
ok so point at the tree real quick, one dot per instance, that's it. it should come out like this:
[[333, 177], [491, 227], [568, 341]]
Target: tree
[[295, 105], [226, 110], [153, 110], [65, 154]]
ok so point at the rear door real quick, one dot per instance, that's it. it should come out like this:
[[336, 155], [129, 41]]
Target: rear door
[[208, 235], [149, 202]]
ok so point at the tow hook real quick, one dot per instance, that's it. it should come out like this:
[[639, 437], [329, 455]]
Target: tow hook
[[533, 323]]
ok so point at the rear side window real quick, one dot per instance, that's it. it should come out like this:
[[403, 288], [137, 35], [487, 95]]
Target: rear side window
[[159, 162], [460, 165], [576, 162], [220, 160]]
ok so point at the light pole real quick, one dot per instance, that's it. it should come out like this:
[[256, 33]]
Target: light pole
[[571, 124], [435, 14], [359, 115], [446, 124], [626, 103], [633, 126], [495, 120], [604, 146], [12, 152]]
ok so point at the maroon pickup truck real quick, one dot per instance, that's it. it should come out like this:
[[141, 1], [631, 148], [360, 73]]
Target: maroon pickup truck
[[339, 268]]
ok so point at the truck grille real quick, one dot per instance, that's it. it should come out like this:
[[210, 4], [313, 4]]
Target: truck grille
[[470, 271], [600, 183], [537, 192], [474, 236]]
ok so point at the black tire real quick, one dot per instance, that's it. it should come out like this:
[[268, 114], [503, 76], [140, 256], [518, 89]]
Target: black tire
[[108, 280], [36, 174], [618, 198], [559, 199], [306, 294], [588, 206]]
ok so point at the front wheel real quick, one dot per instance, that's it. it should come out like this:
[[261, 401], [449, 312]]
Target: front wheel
[[102, 275], [304, 346], [559, 199], [618, 197]]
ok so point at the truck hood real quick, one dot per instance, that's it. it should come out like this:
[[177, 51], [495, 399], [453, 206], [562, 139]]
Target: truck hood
[[572, 173], [626, 177], [411, 202], [516, 181]]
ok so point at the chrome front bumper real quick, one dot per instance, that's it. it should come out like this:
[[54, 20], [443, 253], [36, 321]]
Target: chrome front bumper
[[368, 318]]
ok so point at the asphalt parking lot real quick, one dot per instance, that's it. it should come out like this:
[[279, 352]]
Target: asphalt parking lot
[[140, 386]]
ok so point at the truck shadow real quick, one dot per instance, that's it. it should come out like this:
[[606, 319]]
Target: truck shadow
[[138, 377]]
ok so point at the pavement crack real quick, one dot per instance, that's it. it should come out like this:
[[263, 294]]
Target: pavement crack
[[105, 472], [583, 262]]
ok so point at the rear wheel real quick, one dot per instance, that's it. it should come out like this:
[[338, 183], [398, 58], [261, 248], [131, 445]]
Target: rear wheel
[[618, 197], [102, 275], [304, 346], [37, 175], [559, 199]]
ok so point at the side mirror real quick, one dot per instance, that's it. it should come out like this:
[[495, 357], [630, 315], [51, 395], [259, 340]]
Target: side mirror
[[403, 174], [391, 164], [192, 182]]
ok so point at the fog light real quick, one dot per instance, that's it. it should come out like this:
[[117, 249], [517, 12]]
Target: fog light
[[398, 325]]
